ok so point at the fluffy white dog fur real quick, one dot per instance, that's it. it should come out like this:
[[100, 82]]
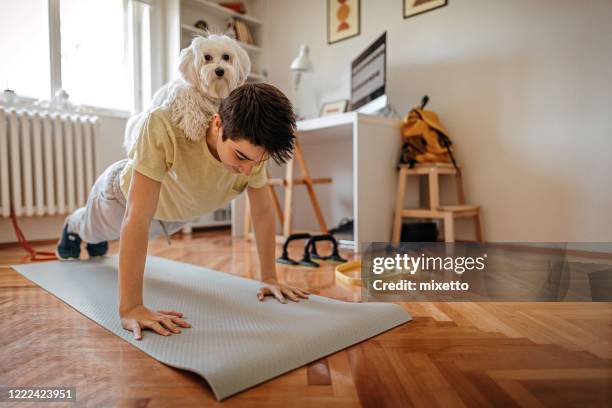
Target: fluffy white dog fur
[[194, 97]]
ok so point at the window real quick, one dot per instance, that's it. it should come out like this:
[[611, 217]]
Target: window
[[139, 26], [99, 51], [24, 47], [93, 53]]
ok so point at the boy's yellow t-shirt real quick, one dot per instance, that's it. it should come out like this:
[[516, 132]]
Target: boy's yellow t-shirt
[[194, 183]]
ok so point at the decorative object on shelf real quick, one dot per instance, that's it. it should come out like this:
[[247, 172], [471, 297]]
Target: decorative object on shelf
[[60, 102], [300, 65], [243, 33], [415, 7], [201, 25], [334, 108], [236, 6], [230, 29], [343, 20], [9, 96], [60, 99]]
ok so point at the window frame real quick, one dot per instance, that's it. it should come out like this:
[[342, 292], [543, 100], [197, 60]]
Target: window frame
[[134, 46]]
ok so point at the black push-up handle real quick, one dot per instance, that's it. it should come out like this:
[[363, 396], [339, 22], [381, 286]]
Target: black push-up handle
[[284, 258], [311, 249]]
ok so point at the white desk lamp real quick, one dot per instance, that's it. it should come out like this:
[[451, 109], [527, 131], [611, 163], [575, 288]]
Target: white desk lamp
[[300, 64]]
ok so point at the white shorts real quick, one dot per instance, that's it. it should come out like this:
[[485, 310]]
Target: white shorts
[[101, 218]]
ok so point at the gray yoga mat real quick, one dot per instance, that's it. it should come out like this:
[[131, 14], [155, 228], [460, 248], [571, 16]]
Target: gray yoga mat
[[235, 341]]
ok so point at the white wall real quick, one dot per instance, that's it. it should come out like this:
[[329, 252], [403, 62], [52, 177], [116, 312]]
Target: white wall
[[108, 150], [524, 87]]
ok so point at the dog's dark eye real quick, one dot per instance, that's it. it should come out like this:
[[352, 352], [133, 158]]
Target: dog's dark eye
[[226, 57], [208, 57]]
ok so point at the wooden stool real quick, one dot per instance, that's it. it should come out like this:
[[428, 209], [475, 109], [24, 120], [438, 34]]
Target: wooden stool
[[447, 213], [288, 182]]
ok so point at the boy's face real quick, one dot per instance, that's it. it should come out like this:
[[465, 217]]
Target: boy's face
[[239, 156]]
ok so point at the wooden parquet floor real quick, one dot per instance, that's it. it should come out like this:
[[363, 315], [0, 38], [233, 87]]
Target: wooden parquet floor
[[450, 355]]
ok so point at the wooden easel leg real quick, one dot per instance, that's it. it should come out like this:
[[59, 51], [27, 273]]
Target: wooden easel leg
[[275, 200], [399, 205], [277, 206], [311, 192], [247, 211]]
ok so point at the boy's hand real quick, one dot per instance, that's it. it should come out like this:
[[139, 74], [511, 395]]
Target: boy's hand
[[163, 322], [273, 287]]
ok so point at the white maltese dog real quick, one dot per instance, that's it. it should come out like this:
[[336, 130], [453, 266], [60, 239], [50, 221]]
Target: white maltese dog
[[210, 68]]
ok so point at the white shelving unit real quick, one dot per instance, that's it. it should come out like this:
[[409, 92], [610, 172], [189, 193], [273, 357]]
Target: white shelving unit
[[197, 31], [216, 17], [180, 19], [212, 7]]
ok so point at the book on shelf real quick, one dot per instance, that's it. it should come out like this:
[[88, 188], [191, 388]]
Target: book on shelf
[[241, 31]]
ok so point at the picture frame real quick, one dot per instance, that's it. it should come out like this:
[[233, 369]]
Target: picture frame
[[334, 107], [343, 20], [415, 7]]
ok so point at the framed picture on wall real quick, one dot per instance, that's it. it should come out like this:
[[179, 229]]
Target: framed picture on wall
[[343, 20], [334, 108], [415, 7]]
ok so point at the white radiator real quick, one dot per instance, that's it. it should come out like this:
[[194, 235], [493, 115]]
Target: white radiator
[[47, 161]]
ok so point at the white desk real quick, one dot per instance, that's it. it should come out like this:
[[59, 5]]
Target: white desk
[[360, 153]]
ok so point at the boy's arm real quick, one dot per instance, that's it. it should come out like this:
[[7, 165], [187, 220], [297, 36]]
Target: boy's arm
[[262, 213], [141, 205]]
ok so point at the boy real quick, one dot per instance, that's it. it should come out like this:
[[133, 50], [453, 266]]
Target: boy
[[169, 179]]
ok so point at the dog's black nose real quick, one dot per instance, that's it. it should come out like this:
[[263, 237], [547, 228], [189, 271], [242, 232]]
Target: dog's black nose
[[219, 72]]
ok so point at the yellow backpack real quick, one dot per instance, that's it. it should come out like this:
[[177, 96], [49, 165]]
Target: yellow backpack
[[425, 139]]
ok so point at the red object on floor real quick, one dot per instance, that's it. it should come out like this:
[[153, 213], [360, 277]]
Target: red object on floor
[[34, 255]]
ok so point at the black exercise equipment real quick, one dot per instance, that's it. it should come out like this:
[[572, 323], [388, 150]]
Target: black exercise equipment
[[284, 258], [310, 251]]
